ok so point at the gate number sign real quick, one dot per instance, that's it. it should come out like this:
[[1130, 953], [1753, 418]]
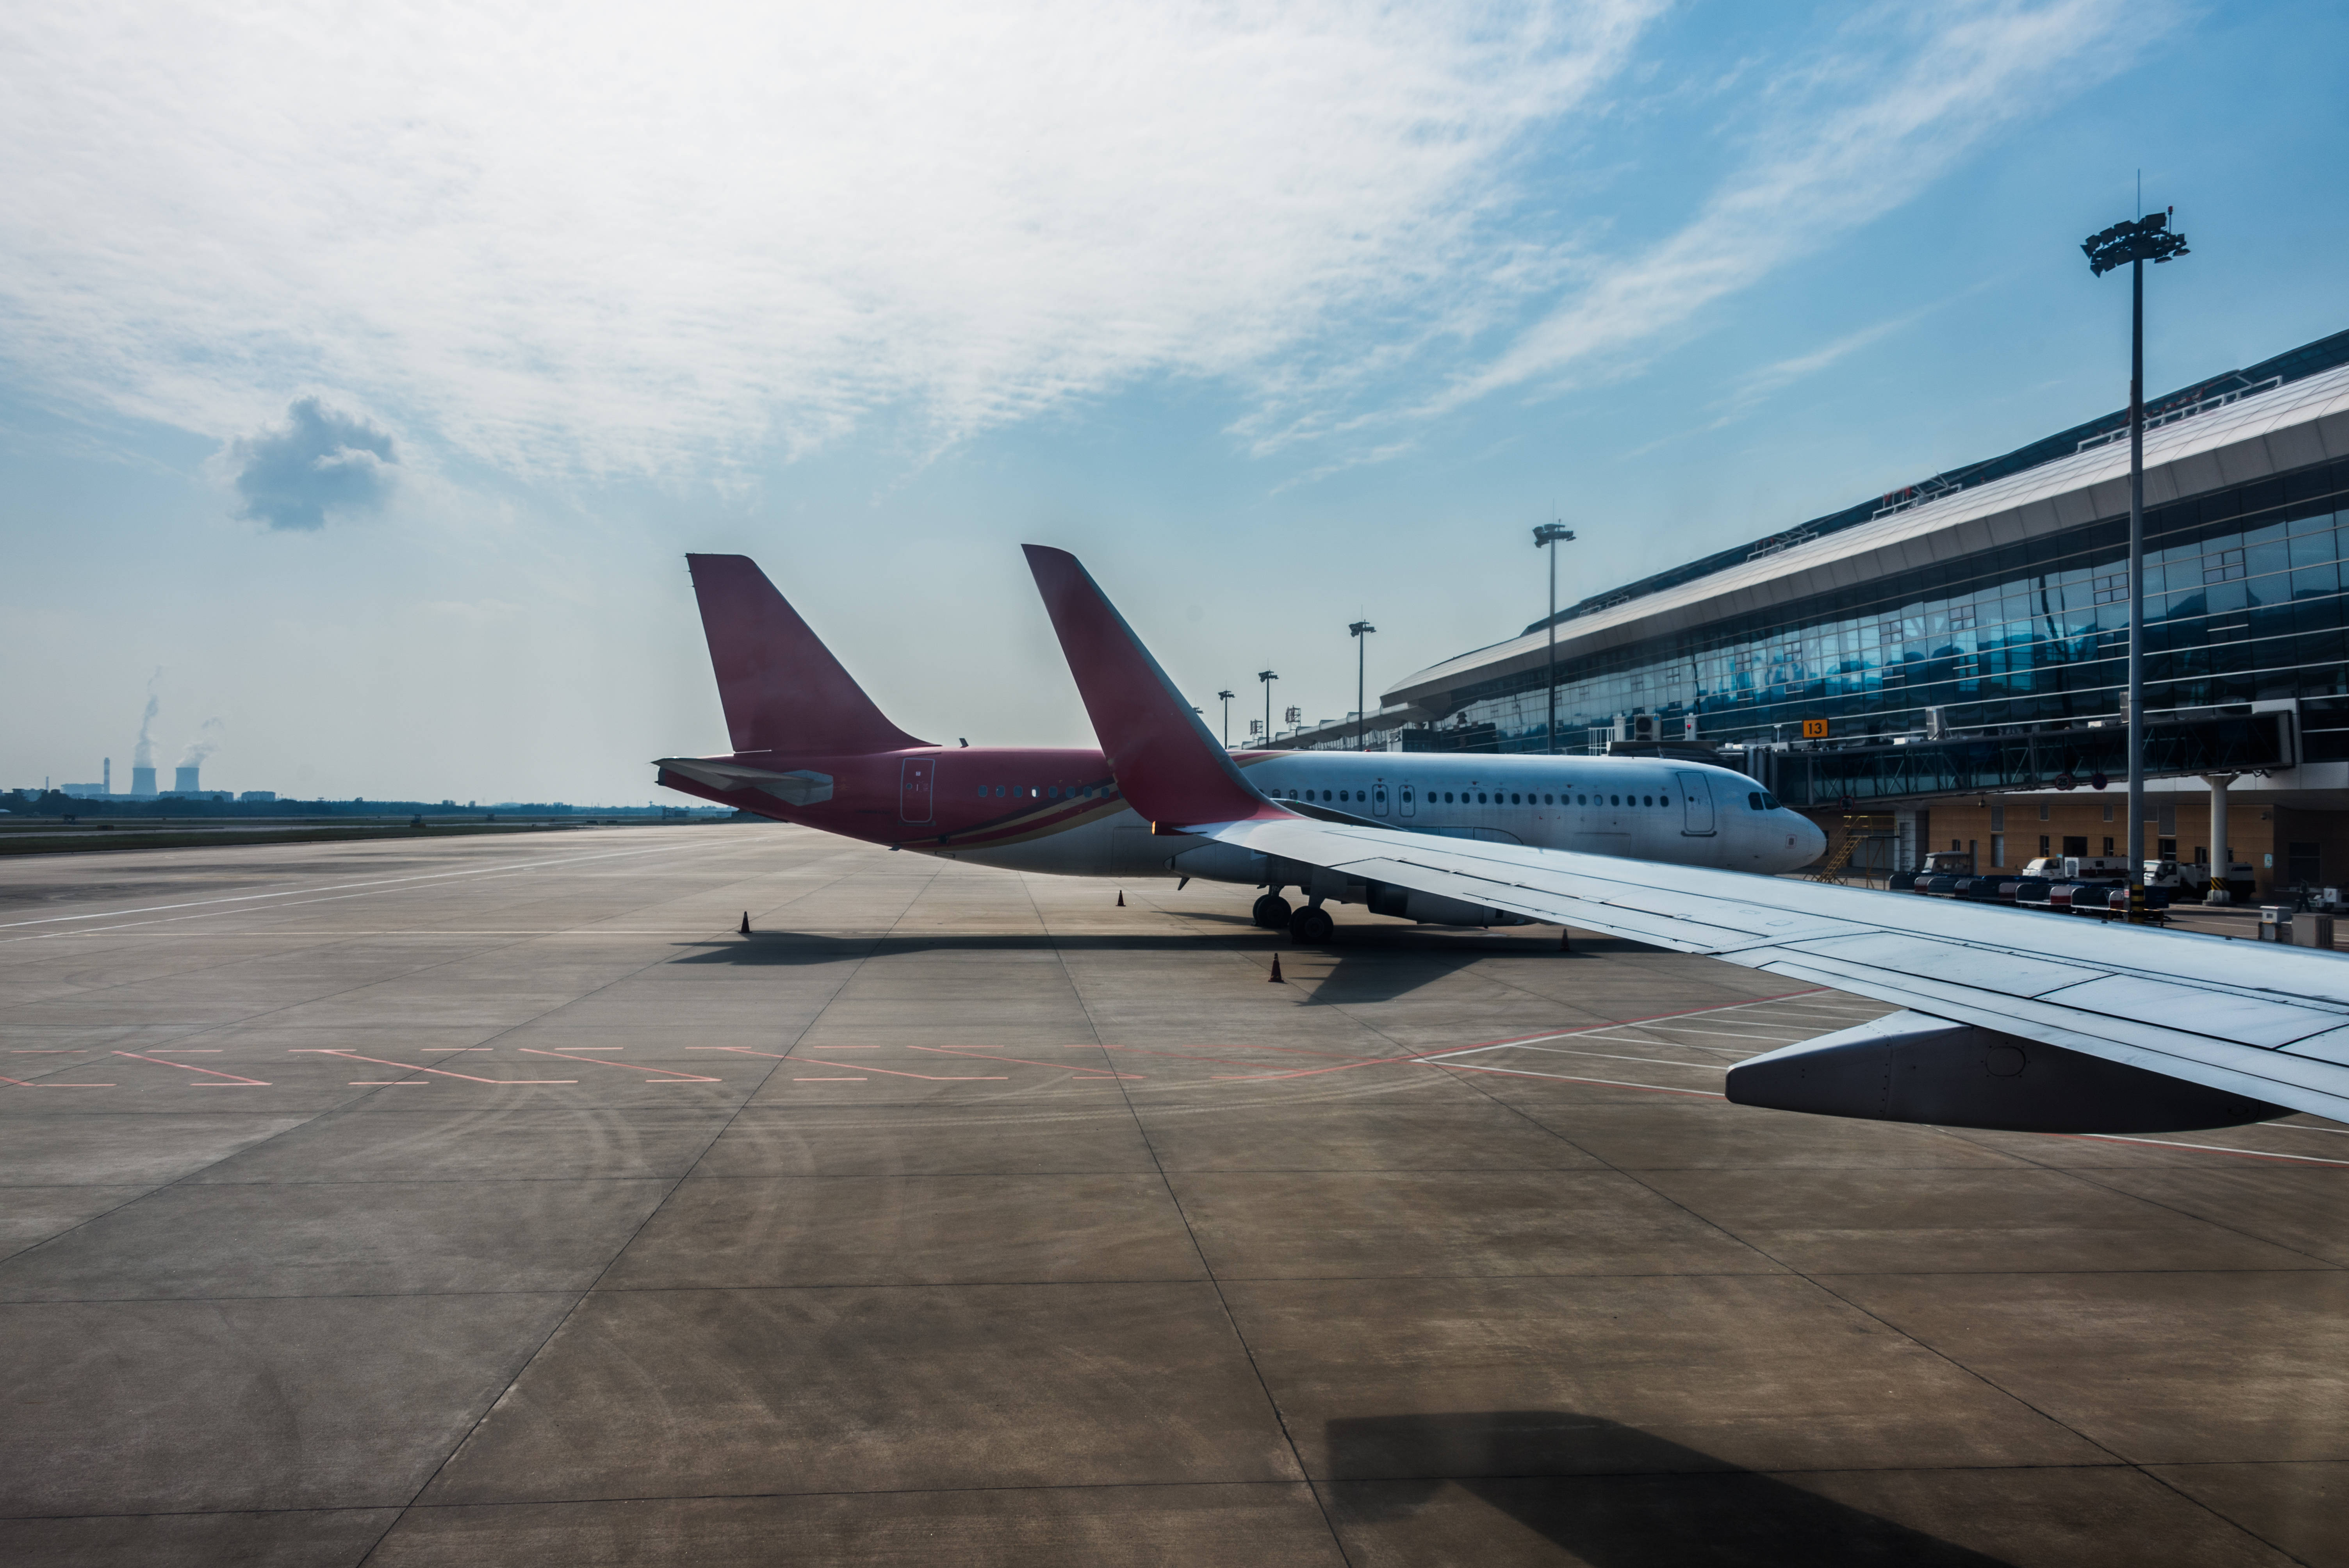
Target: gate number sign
[[1814, 729]]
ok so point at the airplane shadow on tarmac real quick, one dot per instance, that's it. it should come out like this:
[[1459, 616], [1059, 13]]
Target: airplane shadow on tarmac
[[1611, 1495], [1372, 964]]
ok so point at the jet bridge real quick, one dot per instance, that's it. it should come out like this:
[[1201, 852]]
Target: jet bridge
[[1830, 774]]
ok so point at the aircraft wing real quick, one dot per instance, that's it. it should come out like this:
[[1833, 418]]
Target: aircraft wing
[[2013, 1018], [2269, 1023]]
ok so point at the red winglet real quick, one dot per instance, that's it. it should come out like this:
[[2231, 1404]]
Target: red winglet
[[1166, 763]]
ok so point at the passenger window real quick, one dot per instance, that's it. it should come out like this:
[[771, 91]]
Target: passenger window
[[1582, 799], [1380, 795], [1406, 794], [999, 791], [1051, 792], [1513, 800], [1447, 797], [982, 791], [1615, 800]]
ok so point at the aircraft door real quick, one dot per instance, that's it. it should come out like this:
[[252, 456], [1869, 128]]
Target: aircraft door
[[914, 786], [1378, 805], [1409, 803], [1696, 804]]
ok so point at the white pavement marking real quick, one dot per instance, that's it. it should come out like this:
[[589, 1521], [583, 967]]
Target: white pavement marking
[[338, 887]]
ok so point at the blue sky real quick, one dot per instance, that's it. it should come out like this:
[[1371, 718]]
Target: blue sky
[[364, 374]]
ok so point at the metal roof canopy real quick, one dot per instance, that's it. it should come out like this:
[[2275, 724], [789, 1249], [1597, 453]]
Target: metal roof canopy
[[2301, 422]]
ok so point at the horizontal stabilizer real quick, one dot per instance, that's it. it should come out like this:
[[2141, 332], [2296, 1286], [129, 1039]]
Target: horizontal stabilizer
[[1908, 1066], [798, 788]]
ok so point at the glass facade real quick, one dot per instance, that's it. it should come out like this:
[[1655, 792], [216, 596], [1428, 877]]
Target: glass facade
[[2243, 603]]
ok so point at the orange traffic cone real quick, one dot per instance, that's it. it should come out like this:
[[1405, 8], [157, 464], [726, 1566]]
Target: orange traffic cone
[[1276, 978], [1121, 898], [746, 923]]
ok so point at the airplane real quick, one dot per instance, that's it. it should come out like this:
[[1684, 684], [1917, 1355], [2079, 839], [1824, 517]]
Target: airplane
[[810, 747], [2007, 1021]]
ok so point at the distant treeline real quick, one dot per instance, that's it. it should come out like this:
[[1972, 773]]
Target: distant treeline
[[54, 803]]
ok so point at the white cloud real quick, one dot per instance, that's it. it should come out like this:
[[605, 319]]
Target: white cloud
[[640, 239]]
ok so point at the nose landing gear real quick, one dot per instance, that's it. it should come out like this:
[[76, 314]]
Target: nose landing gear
[[1271, 911]]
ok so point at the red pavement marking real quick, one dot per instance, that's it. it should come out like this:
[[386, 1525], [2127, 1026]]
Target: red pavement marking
[[1190, 1056], [1220, 1045], [1561, 1077], [191, 1067], [675, 1076], [1021, 1061], [20, 1083], [469, 1078], [893, 1072]]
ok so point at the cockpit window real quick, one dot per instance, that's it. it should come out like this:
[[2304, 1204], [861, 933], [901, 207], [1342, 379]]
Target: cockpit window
[[1754, 799]]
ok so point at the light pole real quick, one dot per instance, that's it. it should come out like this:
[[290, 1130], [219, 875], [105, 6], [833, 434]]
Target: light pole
[[1360, 631], [2149, 239], [1227, 697], [1548, 534], [1267, 677]]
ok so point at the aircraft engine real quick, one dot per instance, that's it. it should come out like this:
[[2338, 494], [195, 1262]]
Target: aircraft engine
[[1432, 909], [1222, 863], [1908, 1067]]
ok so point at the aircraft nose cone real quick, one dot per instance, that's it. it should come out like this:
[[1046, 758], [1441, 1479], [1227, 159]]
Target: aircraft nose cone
[[1814, 840]]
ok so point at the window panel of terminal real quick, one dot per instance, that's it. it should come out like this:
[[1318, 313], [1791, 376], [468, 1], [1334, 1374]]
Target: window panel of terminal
[[2243, 601]]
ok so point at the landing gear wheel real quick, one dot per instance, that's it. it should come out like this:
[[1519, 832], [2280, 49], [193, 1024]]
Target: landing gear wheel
[[1312, 927], [1271, 911]]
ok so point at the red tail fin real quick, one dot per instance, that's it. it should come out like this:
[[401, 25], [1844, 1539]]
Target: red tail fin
[[782, 690], [1166, 762]]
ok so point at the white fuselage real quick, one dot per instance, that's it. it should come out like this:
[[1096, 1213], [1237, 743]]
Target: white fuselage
[[1649, 808]]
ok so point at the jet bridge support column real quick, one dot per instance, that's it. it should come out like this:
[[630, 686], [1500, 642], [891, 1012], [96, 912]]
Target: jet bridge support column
[[2222, 858], [1912, 838]]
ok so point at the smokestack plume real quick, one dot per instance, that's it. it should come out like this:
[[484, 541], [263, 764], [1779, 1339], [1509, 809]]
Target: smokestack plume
[[143, 754], [207, 741]]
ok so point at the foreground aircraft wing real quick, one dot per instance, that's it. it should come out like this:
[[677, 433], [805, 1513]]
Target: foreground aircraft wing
[[2013, 1019]]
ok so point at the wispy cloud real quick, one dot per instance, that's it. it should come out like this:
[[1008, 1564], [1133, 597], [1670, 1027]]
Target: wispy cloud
[[640, 240], [1855, 134]]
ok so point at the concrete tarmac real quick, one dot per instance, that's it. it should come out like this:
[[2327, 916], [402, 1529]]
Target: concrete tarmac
[[494, 1200]]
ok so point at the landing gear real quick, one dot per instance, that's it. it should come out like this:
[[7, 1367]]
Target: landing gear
[[1310, 927], [1271, 911]]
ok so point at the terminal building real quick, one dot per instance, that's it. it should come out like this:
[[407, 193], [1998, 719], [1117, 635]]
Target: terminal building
[[1951, 659]]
